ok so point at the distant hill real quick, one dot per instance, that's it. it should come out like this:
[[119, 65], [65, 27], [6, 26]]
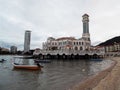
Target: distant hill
[[110, 41], [95, 43]]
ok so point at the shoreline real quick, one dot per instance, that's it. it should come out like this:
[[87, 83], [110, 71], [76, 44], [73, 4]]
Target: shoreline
[[112, 80], [92, 82]]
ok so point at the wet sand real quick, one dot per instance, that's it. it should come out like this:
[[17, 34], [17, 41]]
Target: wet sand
[[108, 79]]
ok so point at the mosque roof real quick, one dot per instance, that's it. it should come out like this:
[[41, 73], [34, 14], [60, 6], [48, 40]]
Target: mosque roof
[[66, 38]]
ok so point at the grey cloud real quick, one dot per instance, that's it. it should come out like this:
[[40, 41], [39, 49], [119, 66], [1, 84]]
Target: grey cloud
[[57, 18]]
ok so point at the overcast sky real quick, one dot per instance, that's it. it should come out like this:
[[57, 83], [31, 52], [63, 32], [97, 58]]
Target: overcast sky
[[57, 18]]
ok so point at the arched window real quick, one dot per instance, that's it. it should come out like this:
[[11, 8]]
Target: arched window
[[81, 48], [76, 48], [79, 43], [74, 43]]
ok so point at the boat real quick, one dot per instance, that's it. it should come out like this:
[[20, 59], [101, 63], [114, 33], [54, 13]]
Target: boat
[[2, 60], [29, 67], [19, 65], [42, 61]]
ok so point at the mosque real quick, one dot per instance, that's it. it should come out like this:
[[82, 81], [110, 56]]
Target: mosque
[[70, 47], [71, 43]]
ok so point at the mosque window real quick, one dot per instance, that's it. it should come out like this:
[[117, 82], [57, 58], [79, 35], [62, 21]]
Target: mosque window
[[81, 48], [76, 48], [74, 43]]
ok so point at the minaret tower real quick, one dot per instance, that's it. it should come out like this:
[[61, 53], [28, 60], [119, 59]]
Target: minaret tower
[[86, 35]]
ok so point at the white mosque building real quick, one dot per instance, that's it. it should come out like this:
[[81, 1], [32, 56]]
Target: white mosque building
[[71, 43], [70, 46]]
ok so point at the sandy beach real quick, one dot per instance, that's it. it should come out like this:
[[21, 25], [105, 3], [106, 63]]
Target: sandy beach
[[108, 79]]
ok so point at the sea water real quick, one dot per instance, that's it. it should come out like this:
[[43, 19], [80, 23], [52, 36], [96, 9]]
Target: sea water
[[57, 75]]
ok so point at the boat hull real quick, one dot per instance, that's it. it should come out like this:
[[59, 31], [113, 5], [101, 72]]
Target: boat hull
[[29, 67]]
